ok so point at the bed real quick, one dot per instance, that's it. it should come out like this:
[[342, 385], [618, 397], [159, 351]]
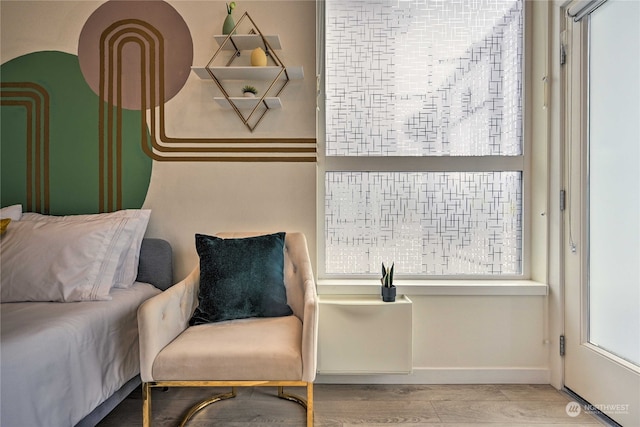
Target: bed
[[69, 363]]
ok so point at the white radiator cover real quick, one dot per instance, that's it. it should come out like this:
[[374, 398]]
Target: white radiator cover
[[364, 335]]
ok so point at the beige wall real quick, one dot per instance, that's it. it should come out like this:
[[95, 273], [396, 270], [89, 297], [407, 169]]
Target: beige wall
[[206, 198], [192, 113]]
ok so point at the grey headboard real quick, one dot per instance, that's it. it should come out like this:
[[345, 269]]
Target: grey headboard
[[156, 263]]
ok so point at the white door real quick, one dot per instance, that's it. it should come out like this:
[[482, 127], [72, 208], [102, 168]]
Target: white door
[[602, 214]]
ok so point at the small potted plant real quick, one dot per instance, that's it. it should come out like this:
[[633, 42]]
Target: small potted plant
[[249, 91], [388, 288]]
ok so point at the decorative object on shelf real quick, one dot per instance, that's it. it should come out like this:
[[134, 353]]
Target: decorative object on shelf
[[249, 91], [228, 25], [388, 288], [258, 57]]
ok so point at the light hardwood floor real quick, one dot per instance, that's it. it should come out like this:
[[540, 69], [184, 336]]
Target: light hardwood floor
[[364, 405]]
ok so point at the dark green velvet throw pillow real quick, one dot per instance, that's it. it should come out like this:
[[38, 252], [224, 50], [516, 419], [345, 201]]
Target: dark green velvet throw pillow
[[240, 278]]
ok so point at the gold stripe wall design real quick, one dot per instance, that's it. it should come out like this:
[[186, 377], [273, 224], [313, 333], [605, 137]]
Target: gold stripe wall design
[[35, 100]]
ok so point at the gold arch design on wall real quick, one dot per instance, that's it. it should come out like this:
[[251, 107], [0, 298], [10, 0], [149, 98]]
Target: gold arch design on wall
[[162, 147], [35, 100]]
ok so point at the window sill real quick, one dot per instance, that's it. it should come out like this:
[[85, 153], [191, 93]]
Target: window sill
[[435, 287]]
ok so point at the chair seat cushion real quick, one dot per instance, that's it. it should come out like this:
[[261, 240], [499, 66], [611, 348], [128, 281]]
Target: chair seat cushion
[[266, 349]]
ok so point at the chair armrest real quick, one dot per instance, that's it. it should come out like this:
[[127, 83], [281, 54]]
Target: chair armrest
[[163, 317], [310, 332], [303, 299]]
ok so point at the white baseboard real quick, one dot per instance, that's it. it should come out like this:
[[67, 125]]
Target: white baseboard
[[447, 376]]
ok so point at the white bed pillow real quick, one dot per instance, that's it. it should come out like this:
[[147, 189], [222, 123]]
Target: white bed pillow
[[13, 212], [59, 261], [128, 241]]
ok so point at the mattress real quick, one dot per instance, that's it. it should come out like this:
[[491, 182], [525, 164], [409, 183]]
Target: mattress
[[61, 360]]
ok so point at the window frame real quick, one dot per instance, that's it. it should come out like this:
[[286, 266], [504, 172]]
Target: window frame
[[519, 163]]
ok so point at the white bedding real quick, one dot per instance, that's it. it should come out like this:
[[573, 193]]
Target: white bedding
[[61, 360]]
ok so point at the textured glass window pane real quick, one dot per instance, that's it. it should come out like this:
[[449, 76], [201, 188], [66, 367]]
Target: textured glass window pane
[[434, 223], [424, 77]]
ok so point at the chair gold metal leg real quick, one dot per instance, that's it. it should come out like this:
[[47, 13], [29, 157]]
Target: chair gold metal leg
[[292, 397], [200, 406], [310, 404], [305, 403], [146, 405]]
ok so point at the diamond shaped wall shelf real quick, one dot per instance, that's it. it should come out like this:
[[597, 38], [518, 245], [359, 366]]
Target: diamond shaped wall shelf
[[272, 79]]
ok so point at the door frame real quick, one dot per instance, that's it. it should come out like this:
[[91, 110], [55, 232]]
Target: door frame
[[585, 365]]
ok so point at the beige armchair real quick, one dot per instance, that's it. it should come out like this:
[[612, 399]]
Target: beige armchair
[[278, 351]]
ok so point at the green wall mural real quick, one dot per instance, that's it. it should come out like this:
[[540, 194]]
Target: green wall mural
[[51, 158]]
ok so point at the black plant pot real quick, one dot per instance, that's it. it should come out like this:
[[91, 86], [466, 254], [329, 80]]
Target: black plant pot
[[389, 294]]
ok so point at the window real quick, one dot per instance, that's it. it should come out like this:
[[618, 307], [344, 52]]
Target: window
[[424, 154]]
